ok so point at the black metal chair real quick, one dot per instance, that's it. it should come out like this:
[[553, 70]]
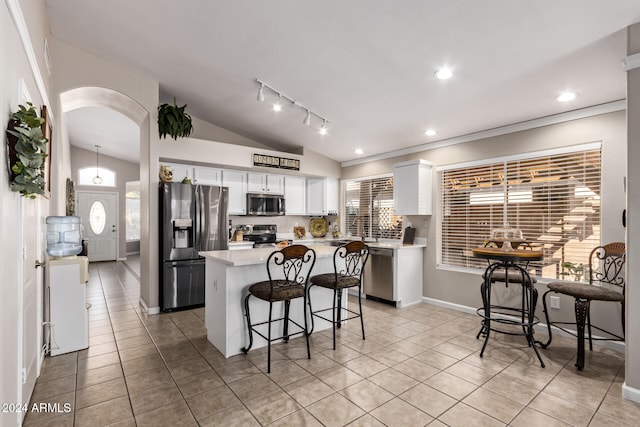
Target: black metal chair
[[606, 283], [288, 270], [348, 265]]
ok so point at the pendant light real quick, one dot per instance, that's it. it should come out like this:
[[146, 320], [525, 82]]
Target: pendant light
[[97, 180]]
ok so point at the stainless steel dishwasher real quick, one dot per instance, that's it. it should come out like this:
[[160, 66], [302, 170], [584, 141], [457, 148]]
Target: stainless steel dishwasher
[[378, 275]]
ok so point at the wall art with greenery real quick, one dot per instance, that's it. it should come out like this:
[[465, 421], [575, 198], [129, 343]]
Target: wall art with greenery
[[27, 151]]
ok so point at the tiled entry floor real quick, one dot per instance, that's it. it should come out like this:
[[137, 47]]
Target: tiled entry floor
[[418, 366]]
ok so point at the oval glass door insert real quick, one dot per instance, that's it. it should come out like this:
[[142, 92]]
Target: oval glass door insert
[[97, 217]]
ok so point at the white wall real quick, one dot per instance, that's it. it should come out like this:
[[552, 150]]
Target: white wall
[[463, 288], [237, 156], [15, 68], [631, 388]]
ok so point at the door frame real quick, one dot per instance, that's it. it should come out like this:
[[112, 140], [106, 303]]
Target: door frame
[[117, 195]]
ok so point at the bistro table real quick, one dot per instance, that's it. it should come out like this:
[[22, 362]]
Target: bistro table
[[524, 316]]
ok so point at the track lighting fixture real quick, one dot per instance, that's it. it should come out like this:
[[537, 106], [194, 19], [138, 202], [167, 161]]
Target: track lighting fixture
[[277, 106]]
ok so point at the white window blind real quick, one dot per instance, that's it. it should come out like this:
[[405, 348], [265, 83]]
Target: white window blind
[[553, 199], [369, 208]]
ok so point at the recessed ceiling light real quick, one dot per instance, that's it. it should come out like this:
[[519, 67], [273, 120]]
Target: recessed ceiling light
[[567, 96], [443, 73], [358, 151], [430, 132]]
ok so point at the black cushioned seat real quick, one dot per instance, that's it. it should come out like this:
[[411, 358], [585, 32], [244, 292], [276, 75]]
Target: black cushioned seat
[[514, 276], [282, 290], [606, 283], [328, 280], [584, 291]]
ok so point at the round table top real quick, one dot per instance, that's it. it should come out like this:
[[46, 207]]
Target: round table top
[[502, 255]]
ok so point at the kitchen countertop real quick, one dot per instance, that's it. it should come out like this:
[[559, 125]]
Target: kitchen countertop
[[256, 255], [260, 255], [419, 242]]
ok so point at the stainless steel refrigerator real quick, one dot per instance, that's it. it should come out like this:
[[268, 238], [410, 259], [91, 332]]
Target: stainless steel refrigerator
[[193, 218]]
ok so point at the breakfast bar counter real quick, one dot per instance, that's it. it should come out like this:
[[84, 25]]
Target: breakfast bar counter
[[228, 274]]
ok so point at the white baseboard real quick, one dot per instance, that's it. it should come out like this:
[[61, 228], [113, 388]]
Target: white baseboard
[[148, 310], [540, 327], [122, 259], [630, 393]]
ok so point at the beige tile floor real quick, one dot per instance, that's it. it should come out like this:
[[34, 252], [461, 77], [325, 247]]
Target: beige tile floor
[[418, 366]]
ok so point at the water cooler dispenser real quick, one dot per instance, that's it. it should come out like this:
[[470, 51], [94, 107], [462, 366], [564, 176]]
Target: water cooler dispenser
[[67, 275]]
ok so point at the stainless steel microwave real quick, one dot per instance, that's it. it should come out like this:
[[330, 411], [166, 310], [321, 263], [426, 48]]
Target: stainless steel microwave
[[265, 204]]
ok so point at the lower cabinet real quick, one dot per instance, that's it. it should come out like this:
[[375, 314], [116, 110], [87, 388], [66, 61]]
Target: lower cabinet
[[68, 310]]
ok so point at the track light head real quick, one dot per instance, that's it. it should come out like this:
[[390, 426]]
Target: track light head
[[277, 105], [261, 92], [307, 119], [323, 129]]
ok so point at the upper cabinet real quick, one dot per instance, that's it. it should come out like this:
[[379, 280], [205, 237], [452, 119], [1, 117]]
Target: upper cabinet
[[412, 187], [180, 172], [265, 183], [237, 183], [295, 191], [207, 176], [322, 196]]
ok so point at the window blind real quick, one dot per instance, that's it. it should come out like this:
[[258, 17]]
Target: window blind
[[369, 208], [553, 199]]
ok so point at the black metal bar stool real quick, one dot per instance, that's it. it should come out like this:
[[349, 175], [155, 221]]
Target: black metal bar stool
[[288, 270], [348, 265], [606, 283]]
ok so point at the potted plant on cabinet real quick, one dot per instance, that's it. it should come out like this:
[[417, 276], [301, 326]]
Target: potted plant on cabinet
[[27, 151], [173, 121]]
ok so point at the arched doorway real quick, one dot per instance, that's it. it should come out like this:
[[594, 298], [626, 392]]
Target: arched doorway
[[85, 97]]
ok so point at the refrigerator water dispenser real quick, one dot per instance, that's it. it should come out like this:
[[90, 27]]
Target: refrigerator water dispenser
[[182, 233]]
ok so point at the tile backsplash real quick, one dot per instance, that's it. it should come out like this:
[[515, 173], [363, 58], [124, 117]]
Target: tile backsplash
[[285, 223]]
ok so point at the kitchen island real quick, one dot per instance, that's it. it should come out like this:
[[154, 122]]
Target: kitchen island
[[228, 274]]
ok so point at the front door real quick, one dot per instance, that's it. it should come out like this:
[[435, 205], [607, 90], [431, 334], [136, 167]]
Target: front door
[[99, 213]]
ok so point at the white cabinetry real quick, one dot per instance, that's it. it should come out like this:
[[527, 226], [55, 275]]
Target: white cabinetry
[[68, 315], [265, 183], [412, 188], [207, 176], [295, 195], [237, 183], [180, 172], [322, 196]]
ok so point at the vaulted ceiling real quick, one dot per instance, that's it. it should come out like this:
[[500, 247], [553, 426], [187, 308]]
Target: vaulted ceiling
[[367, 66]]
